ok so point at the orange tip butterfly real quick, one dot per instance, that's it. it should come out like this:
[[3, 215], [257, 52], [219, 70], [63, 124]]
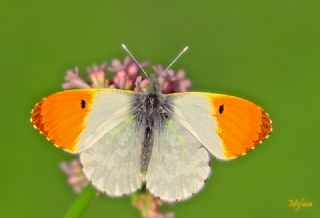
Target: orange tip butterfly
[[127, 140]]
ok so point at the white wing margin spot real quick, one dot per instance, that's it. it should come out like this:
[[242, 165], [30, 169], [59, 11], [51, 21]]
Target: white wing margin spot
[[179, 165], [113, 162]]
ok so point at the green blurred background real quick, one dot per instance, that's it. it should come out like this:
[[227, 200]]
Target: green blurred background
[[266, 51]]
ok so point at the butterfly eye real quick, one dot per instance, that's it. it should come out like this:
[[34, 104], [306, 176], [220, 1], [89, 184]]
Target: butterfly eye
[[221, 108], [83, 103]]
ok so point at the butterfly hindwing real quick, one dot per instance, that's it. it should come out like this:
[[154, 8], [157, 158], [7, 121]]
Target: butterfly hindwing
[[113, 162], [179, 164], [227, 126]]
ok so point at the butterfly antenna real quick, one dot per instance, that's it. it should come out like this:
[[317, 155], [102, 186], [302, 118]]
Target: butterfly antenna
[[178, 56], [127, 50]]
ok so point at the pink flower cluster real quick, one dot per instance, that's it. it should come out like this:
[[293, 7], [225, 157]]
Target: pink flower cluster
[[149, 206], [75, 176], [127, 77], [170, 81]]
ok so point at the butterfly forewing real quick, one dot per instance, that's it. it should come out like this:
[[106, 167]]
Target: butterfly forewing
[[75, 119], [227, 126]]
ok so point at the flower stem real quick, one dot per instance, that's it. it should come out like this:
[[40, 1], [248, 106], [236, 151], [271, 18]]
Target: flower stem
[[80, 204]]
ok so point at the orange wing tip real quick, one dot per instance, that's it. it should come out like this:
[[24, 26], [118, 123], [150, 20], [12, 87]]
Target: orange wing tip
[[36, 120], [57, 129], [241, 124]]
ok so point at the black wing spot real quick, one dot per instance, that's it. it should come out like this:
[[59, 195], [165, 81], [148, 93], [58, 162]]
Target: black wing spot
[[83, 104], [221, 108]]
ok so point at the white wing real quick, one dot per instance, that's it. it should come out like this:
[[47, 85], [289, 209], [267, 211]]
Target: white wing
[[113, 162], [179, 165]]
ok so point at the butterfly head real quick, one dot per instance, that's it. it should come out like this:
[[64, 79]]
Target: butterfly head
[[153, 87]]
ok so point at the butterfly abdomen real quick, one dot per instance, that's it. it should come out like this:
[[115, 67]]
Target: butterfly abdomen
[[146, 149]]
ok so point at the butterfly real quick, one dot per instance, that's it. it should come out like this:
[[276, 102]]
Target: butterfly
[[128, 140]]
